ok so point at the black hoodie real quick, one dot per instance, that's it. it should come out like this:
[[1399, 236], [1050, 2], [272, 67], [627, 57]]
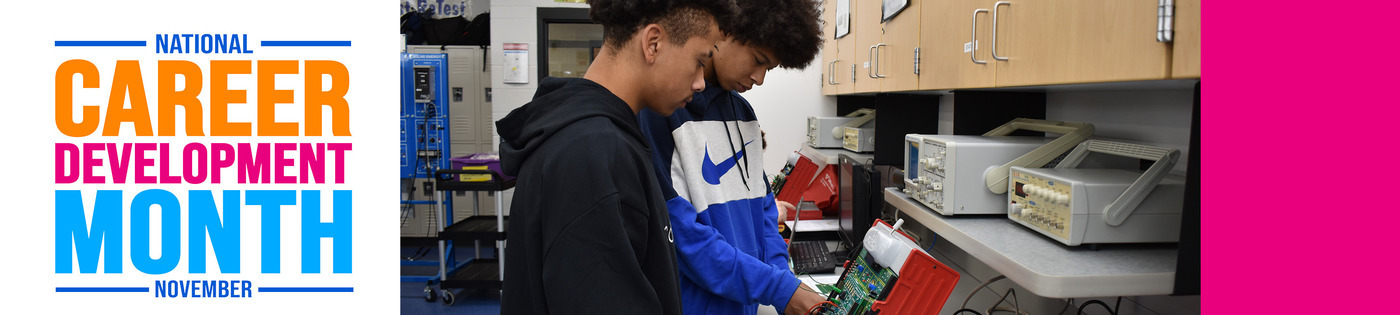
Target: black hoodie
[[589, 232]]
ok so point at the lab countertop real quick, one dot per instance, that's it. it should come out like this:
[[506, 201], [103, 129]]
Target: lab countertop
[[1044, 266]]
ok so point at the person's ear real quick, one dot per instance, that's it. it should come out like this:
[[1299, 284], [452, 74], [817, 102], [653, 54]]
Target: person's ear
[[652, 35]]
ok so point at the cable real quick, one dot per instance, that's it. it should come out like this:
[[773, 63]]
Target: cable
[[1096, 302], [966, 310], [979, 288], [814, 308], [1009, 292], [792, 238], [1068, 302]]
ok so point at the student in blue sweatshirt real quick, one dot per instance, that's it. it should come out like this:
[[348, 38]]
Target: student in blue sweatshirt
[[709, 158]]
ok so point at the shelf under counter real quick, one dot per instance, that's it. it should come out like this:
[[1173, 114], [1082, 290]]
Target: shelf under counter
[[1044, 266]]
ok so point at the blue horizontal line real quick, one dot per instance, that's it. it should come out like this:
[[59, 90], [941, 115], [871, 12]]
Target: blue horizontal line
[[101, 289], [306, 43], [99, 43], [306, 289]]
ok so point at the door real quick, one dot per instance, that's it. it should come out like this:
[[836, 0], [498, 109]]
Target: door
[[897, 56], [951, 58], [1186, 43], [866, 26], [830, 55], [1077, 41]]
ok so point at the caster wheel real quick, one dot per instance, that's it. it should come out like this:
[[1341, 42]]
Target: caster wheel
[[429, 294], [448, 298]]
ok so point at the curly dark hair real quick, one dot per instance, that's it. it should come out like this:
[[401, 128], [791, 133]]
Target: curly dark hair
[[682, 19], [790, 27]]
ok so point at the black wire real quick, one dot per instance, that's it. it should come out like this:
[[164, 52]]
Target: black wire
[[422, 251], [1117, 304], [966, 310], [1096, 302]]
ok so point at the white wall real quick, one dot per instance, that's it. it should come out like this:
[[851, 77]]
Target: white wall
[[782, 104], [515, 22], [1160, 117]]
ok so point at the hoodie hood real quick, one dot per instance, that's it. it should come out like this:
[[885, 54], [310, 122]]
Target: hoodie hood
[[558, 103]]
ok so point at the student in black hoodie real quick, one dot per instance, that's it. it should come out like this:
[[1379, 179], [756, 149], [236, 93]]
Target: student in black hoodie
[[589, 232]]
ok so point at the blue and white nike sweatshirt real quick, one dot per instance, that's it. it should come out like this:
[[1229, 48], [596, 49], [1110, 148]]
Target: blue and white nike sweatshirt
[[709, 157]]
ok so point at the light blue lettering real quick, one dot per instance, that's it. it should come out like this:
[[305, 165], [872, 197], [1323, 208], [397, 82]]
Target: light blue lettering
[[271, 202], [338, 230], [141, 231], [71, 228], [224, 237]]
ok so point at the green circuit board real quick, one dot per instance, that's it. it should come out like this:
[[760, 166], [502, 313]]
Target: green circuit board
[[861, 285]]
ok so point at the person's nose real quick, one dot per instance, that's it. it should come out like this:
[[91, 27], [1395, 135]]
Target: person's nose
[[698, 84]]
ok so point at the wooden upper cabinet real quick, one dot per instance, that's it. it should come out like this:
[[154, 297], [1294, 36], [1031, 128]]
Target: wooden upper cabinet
[[947, 50], [1186, 42], [848, 70], [829, 53], [899, 40], [1077, 41], [866, 27]]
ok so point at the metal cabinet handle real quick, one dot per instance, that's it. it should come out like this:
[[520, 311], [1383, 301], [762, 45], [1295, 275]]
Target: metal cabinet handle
[[871, 62], [876, 65], [831, 72], [995, 9], [974, 36]]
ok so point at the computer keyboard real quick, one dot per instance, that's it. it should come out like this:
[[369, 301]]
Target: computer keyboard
[[811, 257]]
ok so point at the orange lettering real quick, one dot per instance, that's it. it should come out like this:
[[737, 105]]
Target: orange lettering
[[127, 79], [269, 96], [333, 98], [168, 97], [220, 96], [63, 98]]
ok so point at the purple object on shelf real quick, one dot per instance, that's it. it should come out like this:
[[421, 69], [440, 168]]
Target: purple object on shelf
[[491, 160]]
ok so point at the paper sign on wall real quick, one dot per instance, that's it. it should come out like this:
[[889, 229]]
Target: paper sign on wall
[[517, 63]]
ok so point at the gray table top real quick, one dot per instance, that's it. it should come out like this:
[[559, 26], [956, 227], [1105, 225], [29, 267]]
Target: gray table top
[[1044, 266]]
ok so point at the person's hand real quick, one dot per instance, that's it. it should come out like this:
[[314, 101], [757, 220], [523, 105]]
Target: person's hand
[[802, 300], [783, 207]]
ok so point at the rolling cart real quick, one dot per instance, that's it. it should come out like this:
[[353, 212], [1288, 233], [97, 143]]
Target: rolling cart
[[478, 272]]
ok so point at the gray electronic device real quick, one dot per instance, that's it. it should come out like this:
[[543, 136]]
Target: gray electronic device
[[955, 174], [859, 139], [1089, 206], [819, 131], [945, 171]]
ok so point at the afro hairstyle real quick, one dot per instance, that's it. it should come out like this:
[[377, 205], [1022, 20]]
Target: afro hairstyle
[[790, 27]]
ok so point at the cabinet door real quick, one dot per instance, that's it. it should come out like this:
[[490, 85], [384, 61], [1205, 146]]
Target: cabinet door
[[1078, 41], [866, 26], [948, 47], [1186, 44], [848, 70], [900, 38], [829, 53]]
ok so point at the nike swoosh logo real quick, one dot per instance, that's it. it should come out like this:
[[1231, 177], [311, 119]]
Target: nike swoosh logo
[[712, 172]]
